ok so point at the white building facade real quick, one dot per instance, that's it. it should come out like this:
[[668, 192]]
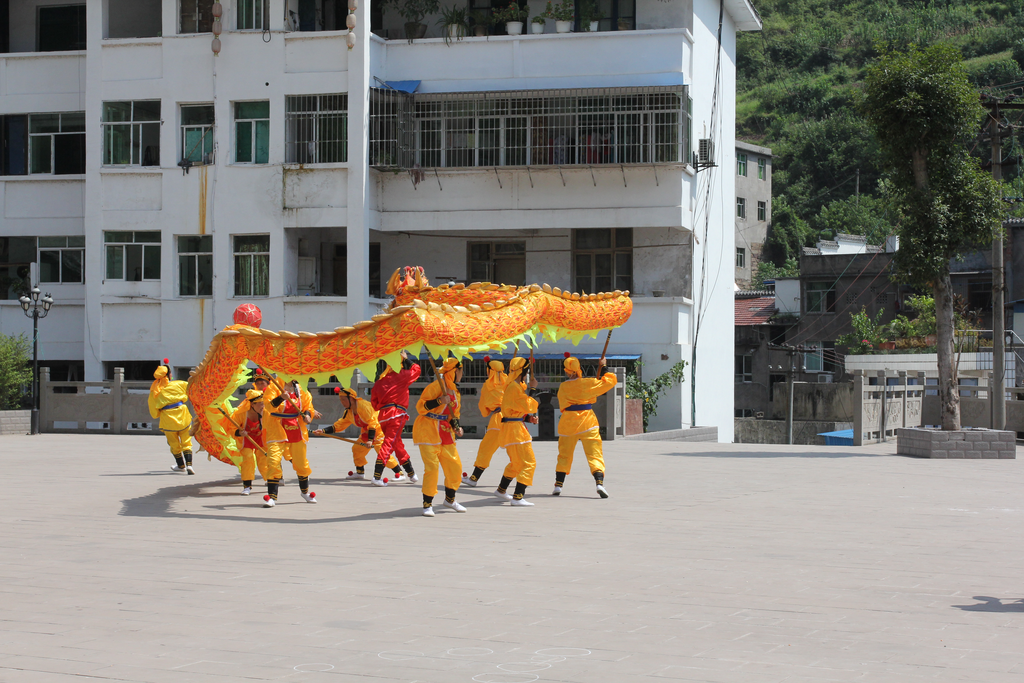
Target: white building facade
[[153, 187]]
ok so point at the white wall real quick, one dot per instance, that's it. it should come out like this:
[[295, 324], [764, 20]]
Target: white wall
[[787, 296]]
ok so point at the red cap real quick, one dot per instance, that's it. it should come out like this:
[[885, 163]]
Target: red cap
[[337, 390], [567, 354], [487, 359]]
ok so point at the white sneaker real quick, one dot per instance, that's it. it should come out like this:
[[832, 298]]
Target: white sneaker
[[557, 491], [601, 491], [414, 478], [504, 496], [521, 502], [309, 497], [246, 491], [268, 502], [379, 482], [454, 505], [466, 481], [355, 475], [428, 512], [397, 478], [188, 468], [177, 469]]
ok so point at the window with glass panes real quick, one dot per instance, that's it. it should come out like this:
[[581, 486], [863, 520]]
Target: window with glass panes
[[252, 132], [197, 133], [821, 297], [195, 265], [57, 143], [762, 169], [744, 368], [613, 15], [741, 164], [252, 265], [498, 262], [316, 129], [602, 259], [741, 257], [741, 207], [61, 259], [131, 133], [253, 15], [132, 256], [762, 211], [196, 16]]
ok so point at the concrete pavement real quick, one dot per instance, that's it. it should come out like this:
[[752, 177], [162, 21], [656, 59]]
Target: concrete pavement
[[719, 563]]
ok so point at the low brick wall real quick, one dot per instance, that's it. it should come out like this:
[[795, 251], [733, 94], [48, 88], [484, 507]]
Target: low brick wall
[[15, 421], [966, 443]]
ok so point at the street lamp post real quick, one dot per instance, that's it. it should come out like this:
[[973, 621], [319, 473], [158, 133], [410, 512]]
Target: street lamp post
[[35, 308]]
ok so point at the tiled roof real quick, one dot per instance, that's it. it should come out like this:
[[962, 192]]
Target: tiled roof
[[750, 293], [811, 251], [874, 249], [754, 311], [828, 243], [851, 238]]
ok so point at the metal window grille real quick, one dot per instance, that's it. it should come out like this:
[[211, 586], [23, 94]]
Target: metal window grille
[[316, 129], [253, 14], [391, 128], [539, 128], [57, 143]]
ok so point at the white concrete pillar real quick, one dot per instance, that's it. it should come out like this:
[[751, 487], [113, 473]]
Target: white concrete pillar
[[359, 215], [93, 210]]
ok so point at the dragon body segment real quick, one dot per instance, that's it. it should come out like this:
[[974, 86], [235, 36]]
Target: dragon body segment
[[456, 319]]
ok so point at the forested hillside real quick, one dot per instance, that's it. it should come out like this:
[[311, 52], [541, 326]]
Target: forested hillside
[[799, 83]]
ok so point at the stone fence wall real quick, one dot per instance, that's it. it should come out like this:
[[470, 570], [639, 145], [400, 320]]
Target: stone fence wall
[[120, 407]]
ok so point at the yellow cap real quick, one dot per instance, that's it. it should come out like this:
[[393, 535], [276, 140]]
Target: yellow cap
[[254, 396]]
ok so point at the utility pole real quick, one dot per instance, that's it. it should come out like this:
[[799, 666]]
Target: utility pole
[[790, 351]]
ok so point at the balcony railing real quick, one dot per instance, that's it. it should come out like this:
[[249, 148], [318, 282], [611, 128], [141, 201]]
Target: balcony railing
[[586, 126]]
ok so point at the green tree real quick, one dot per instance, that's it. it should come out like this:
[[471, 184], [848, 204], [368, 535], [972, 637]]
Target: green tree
[[923, 111], [867, 216], [15, 371], [766, 270]]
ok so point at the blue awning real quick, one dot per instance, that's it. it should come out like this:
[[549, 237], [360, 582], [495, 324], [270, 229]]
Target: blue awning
[[403, 86]]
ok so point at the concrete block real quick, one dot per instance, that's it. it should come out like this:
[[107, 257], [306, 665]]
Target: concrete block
[[990, 455], [1011, 455], [975, 436]]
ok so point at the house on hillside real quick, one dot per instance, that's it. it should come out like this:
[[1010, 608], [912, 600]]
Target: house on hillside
[[152, 186], [753, 209], [755, 377]]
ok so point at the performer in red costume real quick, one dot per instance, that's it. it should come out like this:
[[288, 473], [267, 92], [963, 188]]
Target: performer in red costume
[[390, 398]]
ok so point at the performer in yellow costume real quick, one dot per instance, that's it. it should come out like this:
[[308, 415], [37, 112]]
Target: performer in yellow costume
[[576, 398], [516, 407], [435, 431], [360, 413], [247, 425], [286, 433], [167, 399], [490, 405]]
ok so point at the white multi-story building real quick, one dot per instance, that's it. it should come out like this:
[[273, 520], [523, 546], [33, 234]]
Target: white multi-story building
[[152, 186]]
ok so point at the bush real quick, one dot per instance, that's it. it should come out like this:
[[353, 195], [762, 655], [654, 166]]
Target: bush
[[650, 392], [15, 372]]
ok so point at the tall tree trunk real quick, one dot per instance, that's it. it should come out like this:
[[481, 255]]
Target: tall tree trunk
[[949, 392]]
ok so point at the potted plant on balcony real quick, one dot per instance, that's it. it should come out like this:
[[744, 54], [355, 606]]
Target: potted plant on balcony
[[413, 12], [481, 21], [453, 22], [537, 24], [513, 17], [563, 14], [589, 17]]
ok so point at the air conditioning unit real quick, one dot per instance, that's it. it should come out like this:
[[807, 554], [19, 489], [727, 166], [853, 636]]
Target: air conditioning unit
[[825, 378], [705, 156]]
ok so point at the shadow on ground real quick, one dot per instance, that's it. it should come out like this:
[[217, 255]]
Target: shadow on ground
[[989, 604], [211, 496]]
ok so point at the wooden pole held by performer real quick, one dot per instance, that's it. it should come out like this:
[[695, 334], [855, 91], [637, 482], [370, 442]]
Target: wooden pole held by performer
[[239, 427]]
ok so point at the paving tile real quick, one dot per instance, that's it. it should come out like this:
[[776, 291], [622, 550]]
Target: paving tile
[[725, 567]]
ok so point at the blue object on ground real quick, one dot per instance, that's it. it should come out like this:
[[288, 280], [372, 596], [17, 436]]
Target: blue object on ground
[[844, 437]]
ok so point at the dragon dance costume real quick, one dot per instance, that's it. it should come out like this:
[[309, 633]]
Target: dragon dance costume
[[287, 435], [576, 397], [516, 405], [390, 398], [360, 413], [490, 406], [167, 401], [434, 432]]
